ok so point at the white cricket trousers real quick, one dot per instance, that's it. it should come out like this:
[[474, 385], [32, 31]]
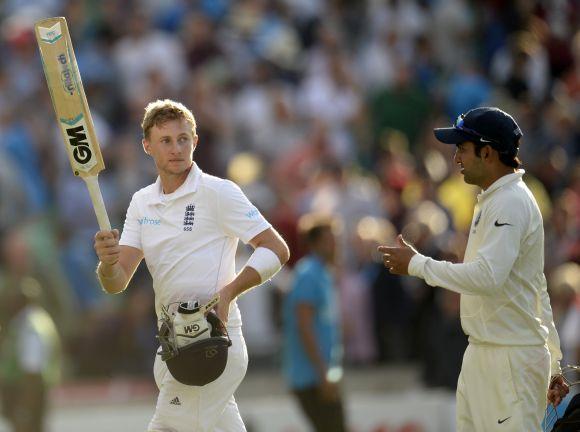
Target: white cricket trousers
[[502, 388], [211, 408]]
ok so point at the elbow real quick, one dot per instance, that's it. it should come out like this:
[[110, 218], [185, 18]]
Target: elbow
[[284, 254], [280, 248], [491, 282], [271, 240]]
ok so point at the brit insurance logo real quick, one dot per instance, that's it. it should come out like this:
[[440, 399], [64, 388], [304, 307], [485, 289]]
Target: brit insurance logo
[[149, 221], [66, 74], [189, 217]]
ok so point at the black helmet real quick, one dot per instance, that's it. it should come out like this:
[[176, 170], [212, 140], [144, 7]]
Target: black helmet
[[198, 363]]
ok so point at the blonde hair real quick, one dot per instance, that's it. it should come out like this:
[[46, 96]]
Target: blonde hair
[[161, 111]]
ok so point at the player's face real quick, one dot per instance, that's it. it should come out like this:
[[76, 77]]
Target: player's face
[[470, 164], [327, 245], [171, 145]]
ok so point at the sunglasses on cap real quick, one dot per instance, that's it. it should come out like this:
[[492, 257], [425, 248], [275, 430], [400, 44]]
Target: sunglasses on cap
[[460, 125]]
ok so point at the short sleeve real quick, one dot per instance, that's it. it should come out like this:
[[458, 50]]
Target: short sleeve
[[307, 289], [131, 235], [238, 217], [31, 350]]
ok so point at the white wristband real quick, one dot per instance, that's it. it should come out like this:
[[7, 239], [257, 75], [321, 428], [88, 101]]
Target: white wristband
[[265, 262]]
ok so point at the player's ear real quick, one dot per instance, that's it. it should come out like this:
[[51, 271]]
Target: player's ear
[[145, 144], [486, 152], [195, 140]]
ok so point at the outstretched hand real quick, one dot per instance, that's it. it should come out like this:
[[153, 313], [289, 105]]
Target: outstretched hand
[[396, 258]]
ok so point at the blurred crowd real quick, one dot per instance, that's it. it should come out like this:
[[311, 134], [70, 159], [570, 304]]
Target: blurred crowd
[[309, 105]]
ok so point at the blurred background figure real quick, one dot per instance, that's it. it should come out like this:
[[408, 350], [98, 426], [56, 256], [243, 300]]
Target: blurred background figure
[[312, 334], [565, 298], [30, 356]]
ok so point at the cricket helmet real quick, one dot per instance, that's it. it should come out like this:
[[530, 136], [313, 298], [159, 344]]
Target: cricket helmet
[[198, 363]]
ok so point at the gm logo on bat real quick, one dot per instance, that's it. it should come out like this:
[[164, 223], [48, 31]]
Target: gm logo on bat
[[66, 74], [79, 145]]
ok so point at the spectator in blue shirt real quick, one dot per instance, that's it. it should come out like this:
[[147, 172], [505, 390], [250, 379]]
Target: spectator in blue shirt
[[312, 339]]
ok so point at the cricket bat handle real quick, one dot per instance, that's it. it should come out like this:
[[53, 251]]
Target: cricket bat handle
[[98, 203]]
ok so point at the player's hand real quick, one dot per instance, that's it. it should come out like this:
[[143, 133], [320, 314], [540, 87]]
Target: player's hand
[[222, 309], [557, 390], [329, 391], [107, 246], [396, 258]]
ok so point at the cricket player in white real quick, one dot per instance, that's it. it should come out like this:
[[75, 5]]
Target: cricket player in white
[[505, 310], [186, 225]]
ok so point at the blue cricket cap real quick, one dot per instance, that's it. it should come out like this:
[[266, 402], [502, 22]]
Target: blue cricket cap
[[485, 125]]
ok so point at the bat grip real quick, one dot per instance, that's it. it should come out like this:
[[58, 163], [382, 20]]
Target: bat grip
[[98, 203]]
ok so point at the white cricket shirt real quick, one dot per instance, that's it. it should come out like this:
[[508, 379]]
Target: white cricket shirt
[[504, 298], [189, 237]]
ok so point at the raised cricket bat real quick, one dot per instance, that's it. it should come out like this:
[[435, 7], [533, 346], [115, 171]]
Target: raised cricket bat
[[71, 108]]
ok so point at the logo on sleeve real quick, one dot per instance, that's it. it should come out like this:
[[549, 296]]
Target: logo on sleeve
[[252, 214], [189, 217], [499, 421], [477, 218], [476, 221], [497, 224]]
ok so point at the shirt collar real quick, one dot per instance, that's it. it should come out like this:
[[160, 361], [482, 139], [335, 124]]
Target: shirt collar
[[187, 187], [500, 182]]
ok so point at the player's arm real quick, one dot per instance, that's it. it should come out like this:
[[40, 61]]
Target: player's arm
[[558, 388], [305, 313], [488, 272], [117, 264], [271, 240], [553, 338], [29, 405], [270, 254], [238, 217]]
